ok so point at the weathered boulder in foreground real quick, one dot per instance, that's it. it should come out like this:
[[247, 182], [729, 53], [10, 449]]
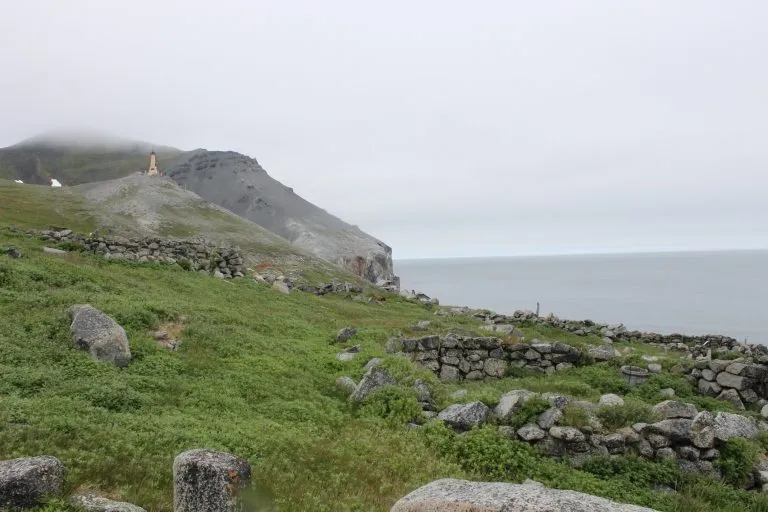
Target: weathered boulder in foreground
[[100, 335], [209, 481], [25, 483], [373, 379], [452, 495], [92, 503], [728, 425]]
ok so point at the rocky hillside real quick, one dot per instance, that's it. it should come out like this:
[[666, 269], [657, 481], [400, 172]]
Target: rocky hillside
[[231, 180], [241, 185], [139, 206]]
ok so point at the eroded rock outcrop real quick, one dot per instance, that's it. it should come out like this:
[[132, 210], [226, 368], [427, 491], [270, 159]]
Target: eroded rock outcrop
[[209, 481], [27, 482]]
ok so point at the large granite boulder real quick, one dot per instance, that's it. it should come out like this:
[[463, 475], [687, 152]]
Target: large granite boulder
[[465, 416], [209, 481], [671, 409], [375, 378], [98, 333], [728, 425], [27, 482], [452, 495]]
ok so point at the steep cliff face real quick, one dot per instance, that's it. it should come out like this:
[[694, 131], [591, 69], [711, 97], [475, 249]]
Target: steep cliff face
[[241, 185]]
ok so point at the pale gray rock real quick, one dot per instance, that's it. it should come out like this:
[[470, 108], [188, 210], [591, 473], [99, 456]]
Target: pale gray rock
[[708, 374], [530, 432], [676, 430], [728, 425], [93, 503], [218, 275], [98, 333], [667, 392], [449, 373], [346, 384], [549, 417], [209, 481], [452, 495], [282, 287], [422, 391], [732, 396], [603, 352], [375, 378], [345, 356], [508, 432], [612, 400], [654, 368], [703, 430], [495, 367], [511, 402], [27, 482], [345, 334], [729, 380], [567, 434], [764, 411], [465, 416], [376, 361], [670, 409], [54, 251], [666, 453], [458, 394]]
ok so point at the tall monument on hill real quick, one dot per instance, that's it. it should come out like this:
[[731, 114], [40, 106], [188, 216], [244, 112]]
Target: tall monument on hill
[[152, 171]]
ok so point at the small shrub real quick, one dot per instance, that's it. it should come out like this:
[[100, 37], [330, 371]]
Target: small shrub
[[605, 378], [529, 411], [397, 405], [137, 319], [737, 457], [117, 398], [615, 417], [762, 440], [517, 372], [484, 451], [638, 471], [574, 417]]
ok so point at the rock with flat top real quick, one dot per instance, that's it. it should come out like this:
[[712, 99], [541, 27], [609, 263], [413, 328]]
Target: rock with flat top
[[92, 503], [670, 409], [465, 416], [209, 481], [28, 482], [453, 495]]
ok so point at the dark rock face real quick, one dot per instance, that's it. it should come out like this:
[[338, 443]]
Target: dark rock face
[[209, 481], [241, 185], [104, 338], [14, 253], [25, 483]]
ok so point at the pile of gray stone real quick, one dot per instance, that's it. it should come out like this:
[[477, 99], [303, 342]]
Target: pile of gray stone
[[455, 357], [682, 433], [739, 382], [203, 480], [194, 254]]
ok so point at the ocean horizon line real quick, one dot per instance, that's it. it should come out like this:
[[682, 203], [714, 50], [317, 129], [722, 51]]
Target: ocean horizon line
[[649, 252]]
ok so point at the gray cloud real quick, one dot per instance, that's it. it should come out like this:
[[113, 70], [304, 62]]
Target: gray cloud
[[444, 128]]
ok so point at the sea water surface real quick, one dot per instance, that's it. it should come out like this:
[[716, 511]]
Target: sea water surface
[[684, 292]]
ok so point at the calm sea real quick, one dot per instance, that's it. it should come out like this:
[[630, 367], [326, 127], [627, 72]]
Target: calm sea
[[690, 293]]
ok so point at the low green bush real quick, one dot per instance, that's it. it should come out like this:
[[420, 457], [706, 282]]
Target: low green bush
[[529, 411], [736, 459], [615, 417], [574, 416], [396, 404]]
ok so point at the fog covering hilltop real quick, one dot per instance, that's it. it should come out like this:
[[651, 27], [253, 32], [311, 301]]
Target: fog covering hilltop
[[231, 180]]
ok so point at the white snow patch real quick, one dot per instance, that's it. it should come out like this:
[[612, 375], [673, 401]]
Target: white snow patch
[[55, 183], [18, 181]]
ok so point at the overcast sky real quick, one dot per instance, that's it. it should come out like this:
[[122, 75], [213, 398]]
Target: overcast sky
[[444, 128]]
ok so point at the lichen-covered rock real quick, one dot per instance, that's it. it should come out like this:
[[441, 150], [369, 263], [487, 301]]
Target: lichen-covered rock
[[345, 334], [729, 380], [450, 374], [92, 503], [728, 425], [549, 417], [709, 388], [465, 416], [531, 432], [373, 379], [611, 400], [97, 332], [603, 352], [26, 482], [346, 384], [703, 430], [671, 409], [511, 402], [677, 429], [209, 481], [732, 396], [452, 495], [567, 434]]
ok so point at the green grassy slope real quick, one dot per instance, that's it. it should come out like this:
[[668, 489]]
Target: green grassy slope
[[140, 205], [255, 377]]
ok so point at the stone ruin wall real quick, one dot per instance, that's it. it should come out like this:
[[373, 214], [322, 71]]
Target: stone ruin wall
[[742, 383], [200, 255], [456, 358]]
